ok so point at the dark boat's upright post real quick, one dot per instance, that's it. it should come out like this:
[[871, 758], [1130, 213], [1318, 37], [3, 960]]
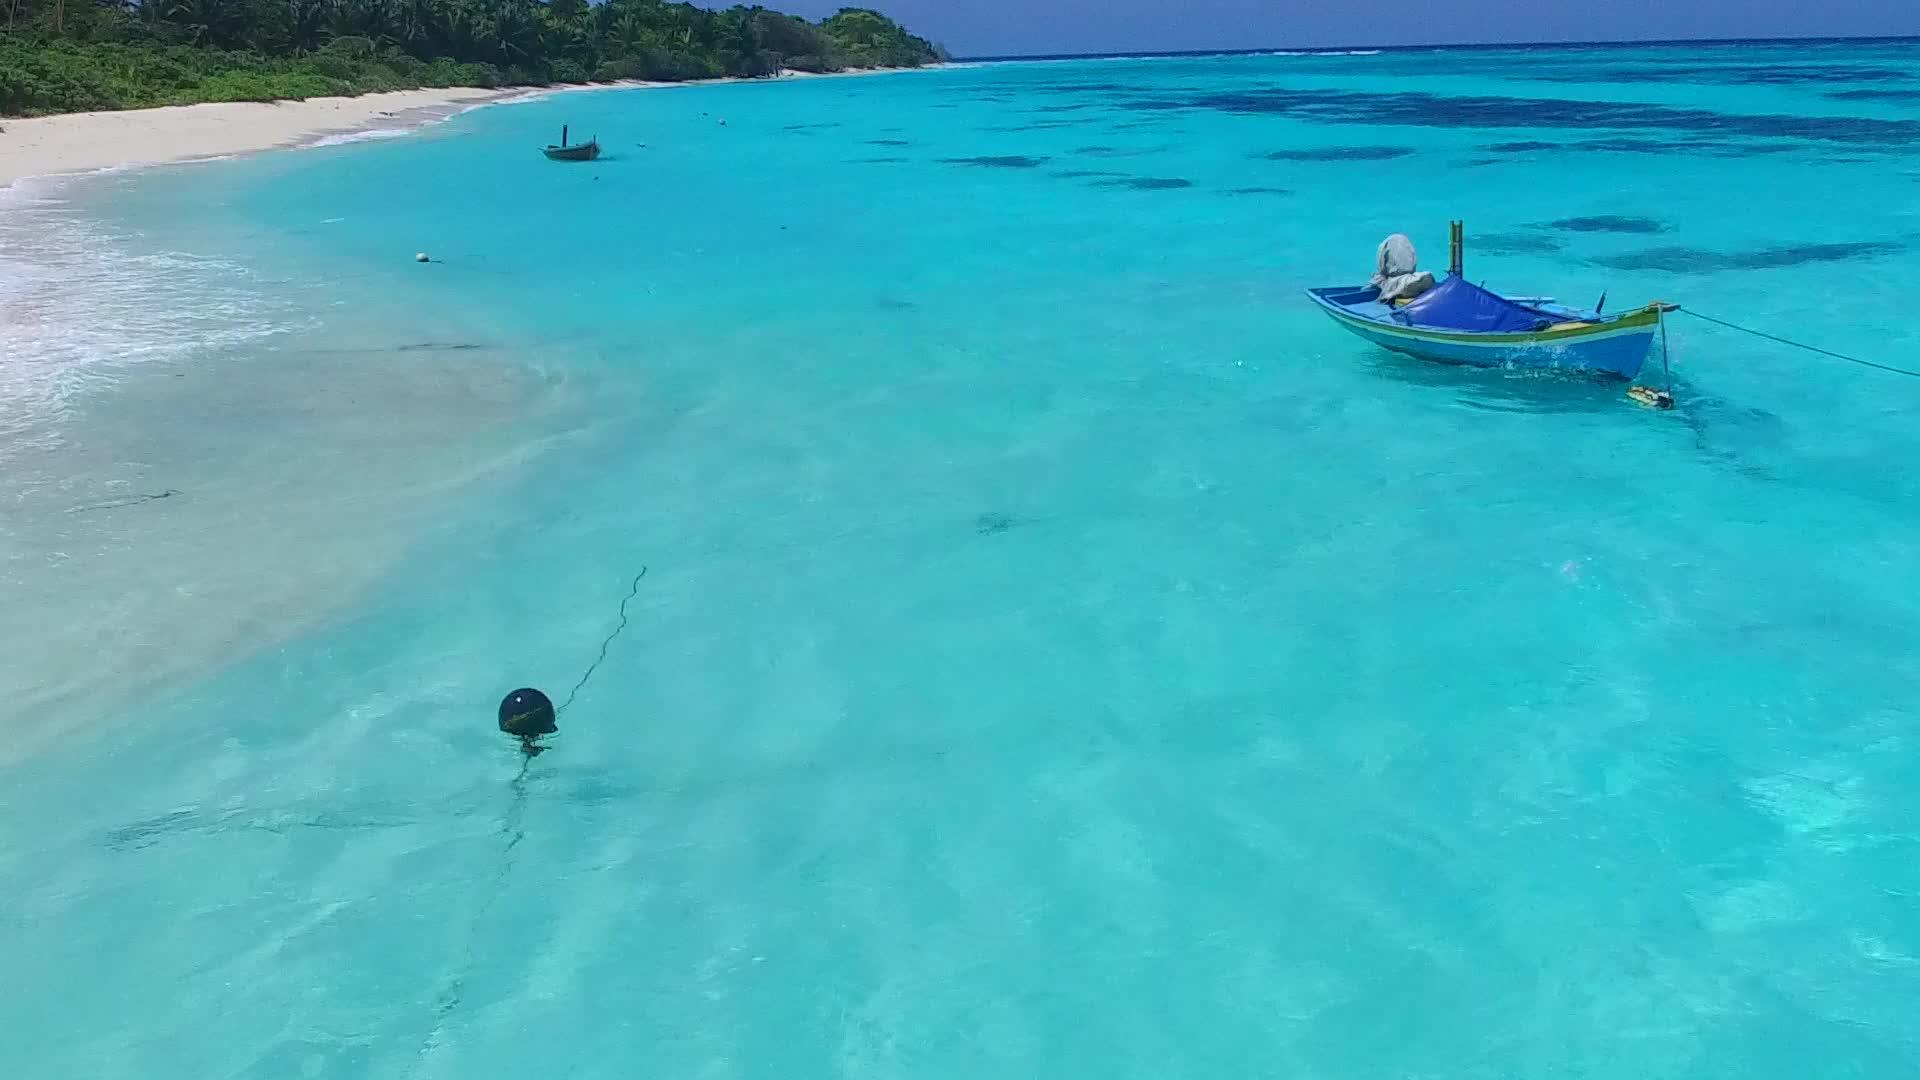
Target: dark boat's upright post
[[563, 134], [1457, 251]]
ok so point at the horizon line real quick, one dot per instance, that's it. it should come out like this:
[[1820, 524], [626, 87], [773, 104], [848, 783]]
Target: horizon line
[[1150, 54]]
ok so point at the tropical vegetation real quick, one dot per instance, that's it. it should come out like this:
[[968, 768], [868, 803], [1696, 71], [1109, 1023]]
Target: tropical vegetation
[[71, 55]]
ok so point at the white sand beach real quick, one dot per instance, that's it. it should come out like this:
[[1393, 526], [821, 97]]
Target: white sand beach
[[82, 142], [85, 142]]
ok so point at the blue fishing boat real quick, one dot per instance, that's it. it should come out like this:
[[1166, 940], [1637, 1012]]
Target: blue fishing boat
[[1458, 322]]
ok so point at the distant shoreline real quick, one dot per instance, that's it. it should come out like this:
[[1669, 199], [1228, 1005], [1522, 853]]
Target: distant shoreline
[[68, 144]]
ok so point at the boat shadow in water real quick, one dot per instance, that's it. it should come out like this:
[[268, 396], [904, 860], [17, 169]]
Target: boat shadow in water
[[1725, 434], [1751, 441]]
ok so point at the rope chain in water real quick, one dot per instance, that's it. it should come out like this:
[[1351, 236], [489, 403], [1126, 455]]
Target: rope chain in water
[[1801, 345], [134, 501], [605, 645], [513, 831]]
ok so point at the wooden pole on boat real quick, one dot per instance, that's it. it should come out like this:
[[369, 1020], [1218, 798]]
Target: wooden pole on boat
[[1457, 248], [563, 134]]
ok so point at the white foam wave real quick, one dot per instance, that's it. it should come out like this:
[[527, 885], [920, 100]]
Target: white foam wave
[[527, 97], [369, 135], [80, 301]]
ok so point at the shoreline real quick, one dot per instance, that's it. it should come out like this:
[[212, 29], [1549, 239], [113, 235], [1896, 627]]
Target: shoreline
[[74, 143], [154, 560], [70, 144]]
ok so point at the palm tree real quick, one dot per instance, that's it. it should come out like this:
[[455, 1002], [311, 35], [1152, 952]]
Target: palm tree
[[205, 21], [516, 31], [374, 20], [570, 31], [306, 24], [631, 33], [422, 27], [467, 30]]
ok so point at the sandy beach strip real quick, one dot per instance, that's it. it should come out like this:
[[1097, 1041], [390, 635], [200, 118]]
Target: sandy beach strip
[[84, 142], [90, 141]]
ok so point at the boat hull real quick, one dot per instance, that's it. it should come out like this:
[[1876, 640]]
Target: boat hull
[[1616, 346], [581, 152]]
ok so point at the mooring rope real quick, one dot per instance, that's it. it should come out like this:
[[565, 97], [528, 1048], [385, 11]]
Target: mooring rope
[[605, 645], [1777, 339], [135, 501], [512, 830]]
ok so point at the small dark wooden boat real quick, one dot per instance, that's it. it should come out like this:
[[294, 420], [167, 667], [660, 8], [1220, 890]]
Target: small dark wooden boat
[[585, 151]]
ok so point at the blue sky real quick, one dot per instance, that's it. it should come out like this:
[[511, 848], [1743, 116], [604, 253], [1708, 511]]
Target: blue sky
[[997, 27]]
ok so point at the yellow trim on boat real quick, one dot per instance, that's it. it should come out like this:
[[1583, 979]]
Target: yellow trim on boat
[[1638, 321]]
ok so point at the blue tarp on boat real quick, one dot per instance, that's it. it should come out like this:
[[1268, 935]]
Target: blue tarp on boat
[[1457, 304]]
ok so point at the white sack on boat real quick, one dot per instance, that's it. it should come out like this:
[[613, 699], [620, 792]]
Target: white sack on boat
[[1396, 270]]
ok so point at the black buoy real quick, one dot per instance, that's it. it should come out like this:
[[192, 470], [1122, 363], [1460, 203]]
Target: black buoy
[[527, 714]]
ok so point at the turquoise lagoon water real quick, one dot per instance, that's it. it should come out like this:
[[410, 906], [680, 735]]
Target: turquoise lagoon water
[[1061, 651]]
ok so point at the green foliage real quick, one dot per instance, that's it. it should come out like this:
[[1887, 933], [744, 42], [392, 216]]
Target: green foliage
[[565, 70], [350, 47], [867, 38], [44, 75], [68, 55], [243, 85]]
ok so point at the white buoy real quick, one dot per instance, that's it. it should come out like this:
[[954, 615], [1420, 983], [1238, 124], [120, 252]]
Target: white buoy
[[421, 256]]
